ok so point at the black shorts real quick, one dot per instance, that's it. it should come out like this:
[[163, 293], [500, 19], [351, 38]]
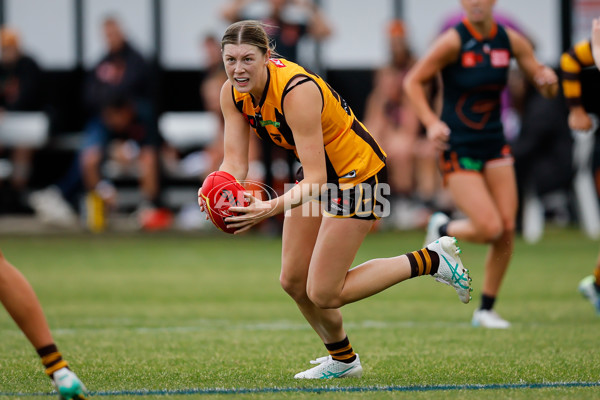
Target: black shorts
[[368, 200], [474, 158]]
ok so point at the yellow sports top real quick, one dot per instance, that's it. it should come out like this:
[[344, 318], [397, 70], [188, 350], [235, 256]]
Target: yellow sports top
[[352, 154]]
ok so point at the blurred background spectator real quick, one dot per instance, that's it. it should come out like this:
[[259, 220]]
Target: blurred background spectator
[[412, 160], [20, 76], [119, 97], [289, 21], [120, 139], [121, 71], [21, 89]]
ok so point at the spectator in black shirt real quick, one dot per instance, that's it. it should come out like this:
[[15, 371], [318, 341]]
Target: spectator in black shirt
[[20, 90], [121, 71], [119, 98]]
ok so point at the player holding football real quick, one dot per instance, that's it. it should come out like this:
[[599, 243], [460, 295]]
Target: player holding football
[[582, 55], [19, 299], [473, 59], [298, 111]]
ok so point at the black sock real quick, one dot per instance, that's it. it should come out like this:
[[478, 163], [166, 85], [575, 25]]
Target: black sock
[[423, 262], [341, 351], [51, 358], [443, 231], [487, 302]]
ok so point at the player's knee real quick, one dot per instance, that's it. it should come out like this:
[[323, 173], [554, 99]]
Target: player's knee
[[508, 231], [296, 288], [491, 230], [324, 299], [509, 227]]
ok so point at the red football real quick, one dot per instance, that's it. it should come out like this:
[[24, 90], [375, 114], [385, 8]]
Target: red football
[[220, 190]]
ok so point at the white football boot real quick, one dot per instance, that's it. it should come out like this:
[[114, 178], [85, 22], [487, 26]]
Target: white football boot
[[588, 290], [68, 385], [489, 319], [451, 270], [51, 208], [433, 226], [329, 368]]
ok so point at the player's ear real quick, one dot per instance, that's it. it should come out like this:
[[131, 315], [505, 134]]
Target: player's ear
[[268, 56]]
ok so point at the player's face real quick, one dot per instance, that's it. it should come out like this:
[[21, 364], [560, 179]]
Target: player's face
[[245, 66], [478, 10]]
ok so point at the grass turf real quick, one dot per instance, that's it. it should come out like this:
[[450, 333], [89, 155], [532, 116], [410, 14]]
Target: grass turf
[[166, 313]]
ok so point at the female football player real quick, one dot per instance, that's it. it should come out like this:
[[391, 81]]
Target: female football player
[[473, 58], [342, 166], [596, 41], [19, 299], [581, 55]]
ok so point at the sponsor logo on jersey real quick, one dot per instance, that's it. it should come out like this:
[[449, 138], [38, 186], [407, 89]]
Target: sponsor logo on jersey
[[500, 58], [277, 62], [468, 59], [351, 174], [274, 123]]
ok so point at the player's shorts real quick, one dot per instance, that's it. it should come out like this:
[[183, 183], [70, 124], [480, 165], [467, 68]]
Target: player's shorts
[[474, 159], [368, 200]]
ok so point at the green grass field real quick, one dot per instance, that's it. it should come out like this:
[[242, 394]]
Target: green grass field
[[152, 316]]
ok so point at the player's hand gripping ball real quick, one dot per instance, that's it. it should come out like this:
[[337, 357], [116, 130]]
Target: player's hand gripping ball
[[220, 190]]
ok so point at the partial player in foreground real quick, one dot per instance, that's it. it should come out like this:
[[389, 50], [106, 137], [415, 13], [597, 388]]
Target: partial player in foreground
[[19, 299], [581, 55], [473, 59], [297, 110]]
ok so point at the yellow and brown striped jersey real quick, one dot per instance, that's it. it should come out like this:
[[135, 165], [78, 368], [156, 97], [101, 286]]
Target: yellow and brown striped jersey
[[352, 154], [571, 63]]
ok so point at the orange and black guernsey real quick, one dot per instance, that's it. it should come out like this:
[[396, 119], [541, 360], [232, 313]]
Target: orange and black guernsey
[[352, 154], [473, 85], [571, 63]]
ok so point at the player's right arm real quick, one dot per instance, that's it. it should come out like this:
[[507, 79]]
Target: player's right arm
[[444, 51], [571, 63], [596, 41], [236, 137]]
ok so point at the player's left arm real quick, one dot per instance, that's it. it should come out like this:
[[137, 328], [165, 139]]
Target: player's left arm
[[543, 77], [596, 41]]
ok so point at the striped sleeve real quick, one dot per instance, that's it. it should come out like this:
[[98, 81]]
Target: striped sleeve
[[571, 63]]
